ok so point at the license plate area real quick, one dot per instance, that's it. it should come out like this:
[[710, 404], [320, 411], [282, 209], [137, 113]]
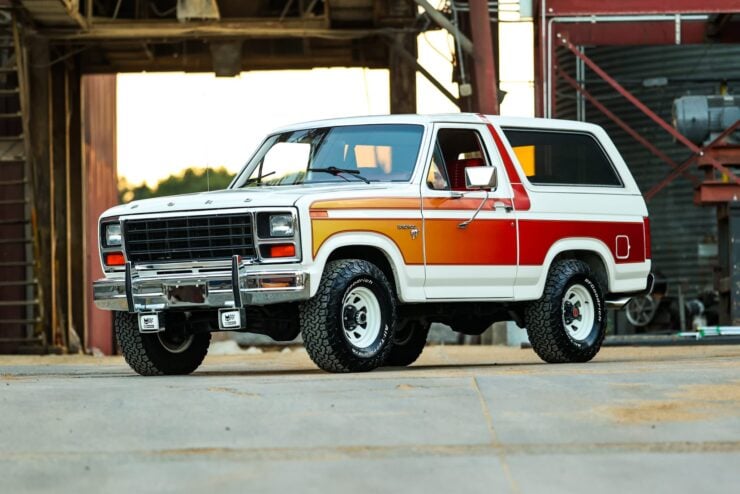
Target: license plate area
[[187, 294]]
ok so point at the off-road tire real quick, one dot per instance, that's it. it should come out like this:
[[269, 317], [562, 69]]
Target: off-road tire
[[147, 355], [545, 319], [408, 343], [321, 318]]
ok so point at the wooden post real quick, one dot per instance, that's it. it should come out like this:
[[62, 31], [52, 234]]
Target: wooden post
[[58, 194], [76, 278], [39, 158], [402, 76]]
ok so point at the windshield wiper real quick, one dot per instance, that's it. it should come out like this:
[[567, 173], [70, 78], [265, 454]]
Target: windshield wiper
[[257, 179], [338, 171]]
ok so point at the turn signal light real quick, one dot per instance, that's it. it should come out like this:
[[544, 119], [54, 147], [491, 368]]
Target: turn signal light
[[282, 250], [115, 259]]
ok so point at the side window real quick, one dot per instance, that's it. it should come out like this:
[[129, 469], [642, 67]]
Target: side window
[[562, 158], [455, 150]]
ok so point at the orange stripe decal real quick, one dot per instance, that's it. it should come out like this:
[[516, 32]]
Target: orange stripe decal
[[319, 213], [411, 248], [483, 242], [369, 203]]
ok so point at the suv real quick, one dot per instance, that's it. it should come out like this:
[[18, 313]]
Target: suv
[[359, 233]]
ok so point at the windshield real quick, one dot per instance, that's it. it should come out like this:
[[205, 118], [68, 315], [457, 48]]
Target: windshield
[[347, 154]]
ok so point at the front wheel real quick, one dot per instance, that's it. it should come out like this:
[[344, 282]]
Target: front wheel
[[169, 352], [346, 326], [568, 323]]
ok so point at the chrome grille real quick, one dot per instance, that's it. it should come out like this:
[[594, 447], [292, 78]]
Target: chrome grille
[[185, 238]]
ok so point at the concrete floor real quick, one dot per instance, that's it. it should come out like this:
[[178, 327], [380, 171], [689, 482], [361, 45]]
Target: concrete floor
[[463, 419]]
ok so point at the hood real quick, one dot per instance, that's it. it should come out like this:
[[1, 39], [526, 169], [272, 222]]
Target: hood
[[235, 198]]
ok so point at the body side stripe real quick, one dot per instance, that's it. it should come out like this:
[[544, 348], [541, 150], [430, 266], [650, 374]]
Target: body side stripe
[[521, 197]]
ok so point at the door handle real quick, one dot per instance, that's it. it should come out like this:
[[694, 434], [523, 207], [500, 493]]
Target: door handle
[[505, 203]]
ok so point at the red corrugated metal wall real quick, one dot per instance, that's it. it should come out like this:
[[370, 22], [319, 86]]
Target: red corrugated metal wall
[[101, 184]]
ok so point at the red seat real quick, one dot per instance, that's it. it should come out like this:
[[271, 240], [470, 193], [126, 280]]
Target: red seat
[[456, 172]]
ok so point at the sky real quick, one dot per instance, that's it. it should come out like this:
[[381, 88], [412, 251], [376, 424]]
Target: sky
[[171, 121]]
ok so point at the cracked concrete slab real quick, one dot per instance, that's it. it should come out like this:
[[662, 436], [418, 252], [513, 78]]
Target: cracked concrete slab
[[463, 419]]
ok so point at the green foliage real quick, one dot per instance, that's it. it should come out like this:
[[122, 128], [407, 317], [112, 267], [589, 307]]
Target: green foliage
[[188, 181]]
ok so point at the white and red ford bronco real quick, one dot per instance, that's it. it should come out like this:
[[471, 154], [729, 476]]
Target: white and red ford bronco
[[359, 233]]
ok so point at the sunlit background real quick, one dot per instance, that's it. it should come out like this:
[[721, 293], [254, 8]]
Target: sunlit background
[[169, 122]]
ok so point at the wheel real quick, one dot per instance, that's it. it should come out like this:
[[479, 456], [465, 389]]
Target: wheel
[[568, 323], [408, 343], [170, 352], [640, 311], [347, 325]]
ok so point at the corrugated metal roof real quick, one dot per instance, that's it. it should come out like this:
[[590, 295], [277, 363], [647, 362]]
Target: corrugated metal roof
[[678, 226]]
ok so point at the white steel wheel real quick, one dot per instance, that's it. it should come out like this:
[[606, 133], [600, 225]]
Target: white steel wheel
[[568, 323], [348, 325], [578, 312], [361, 317]]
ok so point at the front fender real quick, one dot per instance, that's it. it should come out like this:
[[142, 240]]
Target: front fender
[[409, 279]]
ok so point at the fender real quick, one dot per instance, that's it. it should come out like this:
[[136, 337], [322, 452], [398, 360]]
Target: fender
[[531, 279], [409, 279]]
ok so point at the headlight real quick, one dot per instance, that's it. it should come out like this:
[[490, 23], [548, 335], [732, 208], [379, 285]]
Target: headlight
[[113, 235], [281, 225]]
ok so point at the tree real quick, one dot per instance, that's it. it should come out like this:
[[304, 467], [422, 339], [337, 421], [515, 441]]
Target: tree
[[186, 182]]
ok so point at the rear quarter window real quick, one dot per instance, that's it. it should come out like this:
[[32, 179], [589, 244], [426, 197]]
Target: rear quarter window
[[562, 158]]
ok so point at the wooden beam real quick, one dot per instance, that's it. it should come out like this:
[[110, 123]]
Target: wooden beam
[[201, 62], [55, 12], [244, 28]]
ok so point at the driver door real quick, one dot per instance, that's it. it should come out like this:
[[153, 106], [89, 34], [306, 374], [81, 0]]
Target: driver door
[[479, 260]]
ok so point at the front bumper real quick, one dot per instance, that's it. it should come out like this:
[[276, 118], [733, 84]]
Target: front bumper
[[137, 293]]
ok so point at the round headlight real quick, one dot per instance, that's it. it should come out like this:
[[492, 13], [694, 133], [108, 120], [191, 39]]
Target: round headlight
[[113, 235], [281, 225]]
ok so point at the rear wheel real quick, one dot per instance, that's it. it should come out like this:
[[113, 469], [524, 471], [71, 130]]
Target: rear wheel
[[568, 323], [346, 326], [169, 352], [408, 343]]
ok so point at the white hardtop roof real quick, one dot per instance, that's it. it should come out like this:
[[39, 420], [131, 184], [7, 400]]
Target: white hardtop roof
[[547, 123]]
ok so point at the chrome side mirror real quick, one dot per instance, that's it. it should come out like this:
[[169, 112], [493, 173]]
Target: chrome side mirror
[[481, 177]]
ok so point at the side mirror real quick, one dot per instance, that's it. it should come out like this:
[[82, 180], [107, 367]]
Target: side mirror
[[481, 177]]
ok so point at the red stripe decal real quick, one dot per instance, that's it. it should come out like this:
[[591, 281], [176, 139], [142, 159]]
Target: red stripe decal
[[521, 198], [537, 236]]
